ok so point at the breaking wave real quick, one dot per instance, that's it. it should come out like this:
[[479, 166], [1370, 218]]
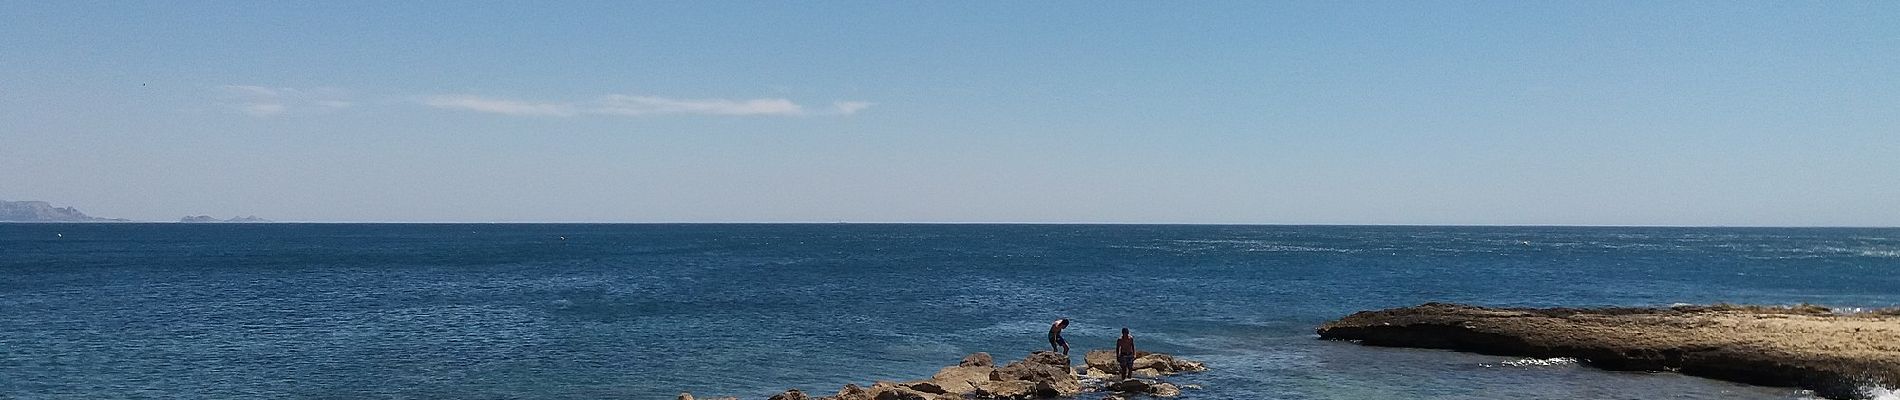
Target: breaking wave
[[1535, 362]]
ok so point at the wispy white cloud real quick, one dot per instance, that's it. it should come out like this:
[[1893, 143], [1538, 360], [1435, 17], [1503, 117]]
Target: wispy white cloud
[[849, 107], [629, 105], [500, 106], [647, 105], [264, 102]]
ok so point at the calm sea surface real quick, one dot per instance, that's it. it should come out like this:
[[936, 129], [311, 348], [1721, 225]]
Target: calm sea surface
[[521, 311]]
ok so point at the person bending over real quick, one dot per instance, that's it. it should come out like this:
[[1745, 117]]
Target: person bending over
[[1055, 336]]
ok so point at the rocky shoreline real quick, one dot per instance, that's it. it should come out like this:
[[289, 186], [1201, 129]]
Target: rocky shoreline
[[1040, 375], [1833, 354]]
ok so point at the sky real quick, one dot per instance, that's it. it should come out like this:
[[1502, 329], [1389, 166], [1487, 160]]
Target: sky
[[1731, 113]]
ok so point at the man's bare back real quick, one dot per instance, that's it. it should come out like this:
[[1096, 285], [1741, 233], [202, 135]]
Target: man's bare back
[[1125, 354]]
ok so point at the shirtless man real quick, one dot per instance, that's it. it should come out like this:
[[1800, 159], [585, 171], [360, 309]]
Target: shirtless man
[[1055, 336], [1125, 354]]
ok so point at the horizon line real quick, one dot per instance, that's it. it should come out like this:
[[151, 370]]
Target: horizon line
[[1451, 225]]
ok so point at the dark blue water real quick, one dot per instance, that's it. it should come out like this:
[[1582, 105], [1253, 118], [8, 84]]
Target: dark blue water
[[348, 311]]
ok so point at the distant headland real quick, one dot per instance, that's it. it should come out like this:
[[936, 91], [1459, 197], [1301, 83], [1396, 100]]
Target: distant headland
[[40, 211]]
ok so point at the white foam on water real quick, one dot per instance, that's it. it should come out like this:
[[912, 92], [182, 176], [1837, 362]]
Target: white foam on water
[[1535, 362], [1870, 251], [1881, 253], [1260, 246], [1879, 393], [1869, 392]]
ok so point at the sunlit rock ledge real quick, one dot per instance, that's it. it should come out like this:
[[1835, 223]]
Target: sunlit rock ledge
[[1836, 355]]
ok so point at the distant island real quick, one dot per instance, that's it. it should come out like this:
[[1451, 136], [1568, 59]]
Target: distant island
[[40, 211], [199, 219]]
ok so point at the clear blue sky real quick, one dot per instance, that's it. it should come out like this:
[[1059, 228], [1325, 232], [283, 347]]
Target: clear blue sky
[[1505, 112]]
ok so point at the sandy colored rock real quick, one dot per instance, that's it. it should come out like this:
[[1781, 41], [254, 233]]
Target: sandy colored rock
[[1100, 364], [851, 392], [931, 387], [1042, 373], [1808, 347], [1181, 365], [892, 391], [1048, 358], [978, 359], [793, 394], [959, 379], [1157, 362], [1103, 360], [904, 394], [1013, 389]]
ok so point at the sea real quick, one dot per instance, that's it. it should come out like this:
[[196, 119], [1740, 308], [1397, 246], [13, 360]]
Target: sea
[[646, 311]]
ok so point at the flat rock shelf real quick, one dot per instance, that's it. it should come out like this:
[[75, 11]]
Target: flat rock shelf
[[1834, 354]]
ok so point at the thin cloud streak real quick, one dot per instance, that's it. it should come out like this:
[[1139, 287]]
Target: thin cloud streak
[[630, 105], [849, 107], [500, 106], [266, 102], [647, 105]]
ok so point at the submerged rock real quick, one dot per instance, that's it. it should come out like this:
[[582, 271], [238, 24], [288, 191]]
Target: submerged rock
[[1808, 347], [1143, 386]]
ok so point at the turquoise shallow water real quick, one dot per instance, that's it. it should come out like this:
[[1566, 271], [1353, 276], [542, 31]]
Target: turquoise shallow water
[[523, 311]]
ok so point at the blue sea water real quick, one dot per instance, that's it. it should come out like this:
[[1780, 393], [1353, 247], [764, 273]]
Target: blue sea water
[[584, 311]]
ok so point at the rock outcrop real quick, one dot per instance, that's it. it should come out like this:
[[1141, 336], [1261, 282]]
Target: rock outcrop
[[959, 380], [977, 359], [1040, 375], [1835, 355], [793, 394], [1100, 364], [1047, 373]]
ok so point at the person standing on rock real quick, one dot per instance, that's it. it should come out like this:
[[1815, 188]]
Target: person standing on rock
[[1125, 354], [1055, 336]]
